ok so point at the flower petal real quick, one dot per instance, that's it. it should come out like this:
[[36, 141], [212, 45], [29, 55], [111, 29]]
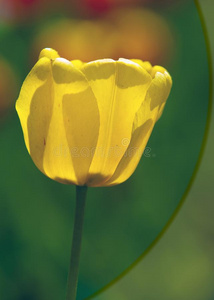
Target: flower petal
[[144, 64], [77, 63], [163, 83], [144, 122], [74, 125], [120, 88], [54, 100], [34, 107], [49, 53]]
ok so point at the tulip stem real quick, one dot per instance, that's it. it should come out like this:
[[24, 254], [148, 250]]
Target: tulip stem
[[76, 242]]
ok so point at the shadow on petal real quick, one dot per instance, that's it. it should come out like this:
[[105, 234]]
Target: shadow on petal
[[133, 153], [38, 122], [81, 122]]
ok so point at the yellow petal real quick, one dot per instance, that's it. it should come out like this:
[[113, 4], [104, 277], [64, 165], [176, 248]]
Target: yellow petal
[[34, 107], [144, 122], [74, 125], [59, 116], [160, 95], [120, 88]]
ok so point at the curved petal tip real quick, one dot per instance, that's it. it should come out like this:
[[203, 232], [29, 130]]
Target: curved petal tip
[[49, 53]]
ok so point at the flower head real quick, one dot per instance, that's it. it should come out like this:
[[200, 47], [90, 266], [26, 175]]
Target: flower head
[[89, 123]]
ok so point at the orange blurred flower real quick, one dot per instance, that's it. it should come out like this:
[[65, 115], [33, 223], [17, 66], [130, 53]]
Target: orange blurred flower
[[124, 33], [84, 40], [144, 34]]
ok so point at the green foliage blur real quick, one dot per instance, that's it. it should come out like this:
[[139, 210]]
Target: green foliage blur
[[36, 213]]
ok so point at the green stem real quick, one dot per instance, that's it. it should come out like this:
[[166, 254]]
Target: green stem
[[76, 243]]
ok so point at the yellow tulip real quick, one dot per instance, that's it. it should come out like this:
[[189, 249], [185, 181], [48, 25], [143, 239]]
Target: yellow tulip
[[89, 123]]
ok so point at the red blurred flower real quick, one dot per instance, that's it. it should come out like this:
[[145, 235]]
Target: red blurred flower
[[102, 7], [14, 10]]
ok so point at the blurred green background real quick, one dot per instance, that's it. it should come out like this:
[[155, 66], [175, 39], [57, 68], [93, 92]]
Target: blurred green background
[[36, 214]]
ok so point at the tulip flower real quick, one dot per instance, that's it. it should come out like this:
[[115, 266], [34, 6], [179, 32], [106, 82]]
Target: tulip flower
[[81, 121], [88, 124]]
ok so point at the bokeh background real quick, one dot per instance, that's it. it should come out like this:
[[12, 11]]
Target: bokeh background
[[122, 222]]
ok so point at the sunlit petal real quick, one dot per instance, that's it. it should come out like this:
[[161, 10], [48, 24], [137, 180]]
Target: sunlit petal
[[59, 117], [120, 88], [144, 122]]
